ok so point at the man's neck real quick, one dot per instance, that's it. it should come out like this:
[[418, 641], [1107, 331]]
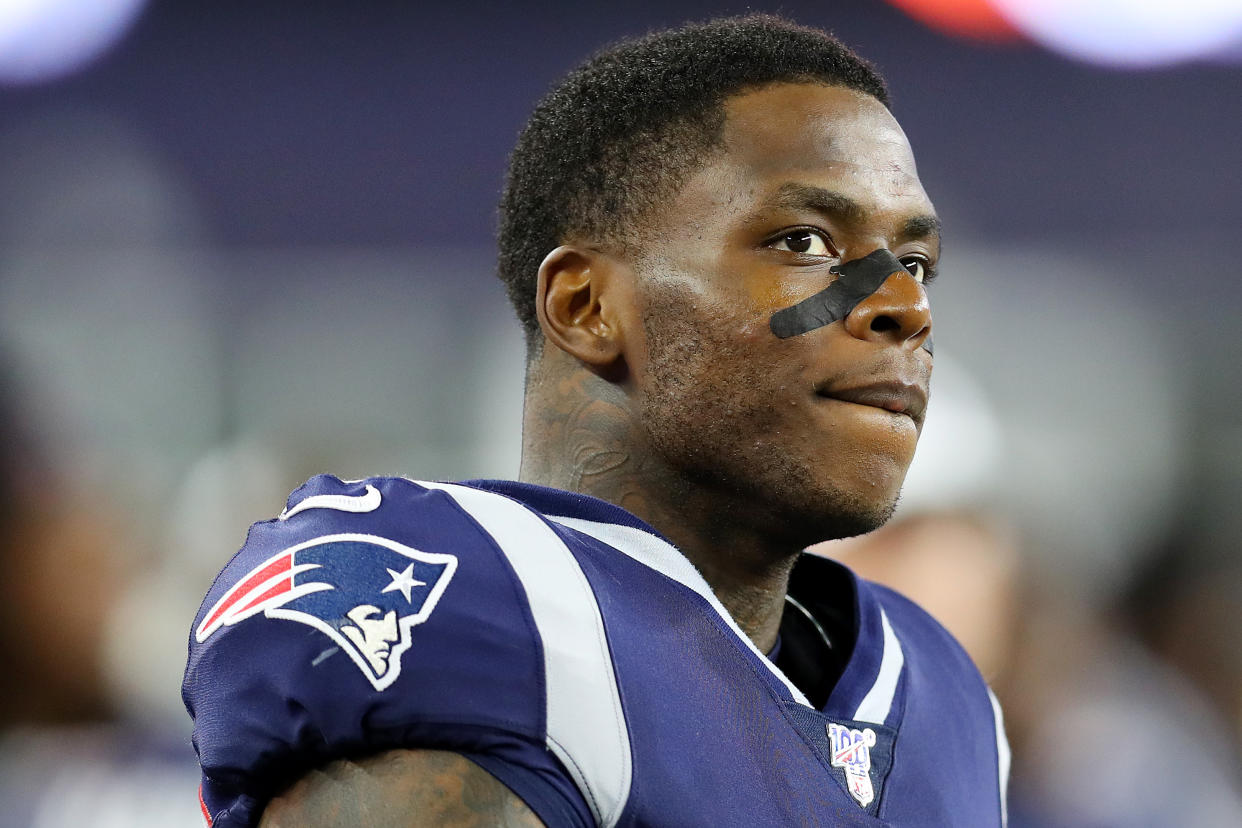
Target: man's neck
[[579, 435]]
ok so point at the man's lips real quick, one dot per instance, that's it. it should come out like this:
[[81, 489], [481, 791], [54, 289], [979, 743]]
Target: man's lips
[[899, 397]]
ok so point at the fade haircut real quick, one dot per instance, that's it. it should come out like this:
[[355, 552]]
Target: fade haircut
[[622, 133]]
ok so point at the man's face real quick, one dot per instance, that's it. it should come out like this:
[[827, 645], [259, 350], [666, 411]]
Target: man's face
[[810, 177]]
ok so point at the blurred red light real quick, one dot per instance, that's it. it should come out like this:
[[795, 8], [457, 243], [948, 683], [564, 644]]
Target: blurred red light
[[975, 19]]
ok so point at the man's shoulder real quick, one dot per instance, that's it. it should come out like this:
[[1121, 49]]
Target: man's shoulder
[[392, 543], [366, 562], [383, 613], [417, 513], [368, 615]]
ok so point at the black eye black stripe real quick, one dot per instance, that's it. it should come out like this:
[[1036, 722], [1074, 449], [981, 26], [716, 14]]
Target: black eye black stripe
[[859, 279]]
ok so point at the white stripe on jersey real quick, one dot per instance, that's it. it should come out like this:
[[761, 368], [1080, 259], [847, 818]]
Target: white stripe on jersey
[[878, 702], [664, 558], [586, 725], [1002, 756]]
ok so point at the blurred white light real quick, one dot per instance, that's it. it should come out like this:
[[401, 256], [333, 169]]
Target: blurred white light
[[44, 39], [1129, 33], [1231, 53], [957, 464]]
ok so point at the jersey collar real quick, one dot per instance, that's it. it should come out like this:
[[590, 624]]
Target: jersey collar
[[870, 688]]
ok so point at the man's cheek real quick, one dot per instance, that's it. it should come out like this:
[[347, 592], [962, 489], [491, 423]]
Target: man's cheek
[[771, 291], [754, 331]]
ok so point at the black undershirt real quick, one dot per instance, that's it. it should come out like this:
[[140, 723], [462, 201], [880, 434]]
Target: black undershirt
[[826, 590]]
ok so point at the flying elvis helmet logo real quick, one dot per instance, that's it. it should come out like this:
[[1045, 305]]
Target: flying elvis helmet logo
[[364, 592]]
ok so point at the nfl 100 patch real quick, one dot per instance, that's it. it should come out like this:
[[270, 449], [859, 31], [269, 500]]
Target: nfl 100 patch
[[851, 751], [364, 592], [862, 753], [858, 755]]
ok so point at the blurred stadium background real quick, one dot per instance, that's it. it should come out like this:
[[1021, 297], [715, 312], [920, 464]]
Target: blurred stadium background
[[243, 243]]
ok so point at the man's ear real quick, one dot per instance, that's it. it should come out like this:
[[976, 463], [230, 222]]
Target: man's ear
[[577, 301]]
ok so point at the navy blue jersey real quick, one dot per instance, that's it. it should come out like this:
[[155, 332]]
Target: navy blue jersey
[[568, 649]]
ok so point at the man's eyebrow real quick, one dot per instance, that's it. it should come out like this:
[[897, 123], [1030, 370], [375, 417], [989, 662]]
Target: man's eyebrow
[[794, 196], [806, 197], [921, 227]]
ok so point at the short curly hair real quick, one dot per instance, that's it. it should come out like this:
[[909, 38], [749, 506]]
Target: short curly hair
[[623, 131]]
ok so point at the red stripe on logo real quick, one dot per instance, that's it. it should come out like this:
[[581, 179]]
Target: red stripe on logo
[[203, 806], [277, 589], [242, 590]]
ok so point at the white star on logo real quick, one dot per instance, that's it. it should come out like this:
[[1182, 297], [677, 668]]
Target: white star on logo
[[404, 581]]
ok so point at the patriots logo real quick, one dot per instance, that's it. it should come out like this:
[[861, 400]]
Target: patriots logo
[[364, 592]]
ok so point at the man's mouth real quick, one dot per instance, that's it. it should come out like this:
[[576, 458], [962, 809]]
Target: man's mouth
[[898, 397]]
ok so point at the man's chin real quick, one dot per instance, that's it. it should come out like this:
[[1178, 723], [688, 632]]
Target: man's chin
[[840, 527], [840, 516], [801, 511]]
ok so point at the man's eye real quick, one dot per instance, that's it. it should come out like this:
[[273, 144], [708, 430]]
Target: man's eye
[[807, 242], [919, 268]]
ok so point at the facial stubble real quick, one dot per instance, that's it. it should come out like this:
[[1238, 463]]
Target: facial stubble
[[720, 419]]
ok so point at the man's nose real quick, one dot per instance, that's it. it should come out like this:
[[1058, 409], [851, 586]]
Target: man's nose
[[897, 312]]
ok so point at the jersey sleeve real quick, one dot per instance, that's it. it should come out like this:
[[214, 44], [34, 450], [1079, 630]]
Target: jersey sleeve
[[370, 615]]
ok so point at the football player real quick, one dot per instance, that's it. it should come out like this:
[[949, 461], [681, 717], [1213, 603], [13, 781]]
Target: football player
[[716, 240]]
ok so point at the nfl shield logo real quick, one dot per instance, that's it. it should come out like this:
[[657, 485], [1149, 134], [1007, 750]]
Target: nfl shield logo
[[851, 751]]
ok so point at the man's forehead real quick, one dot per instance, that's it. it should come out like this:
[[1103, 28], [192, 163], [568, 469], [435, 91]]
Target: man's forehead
[[834, 123], [782, 129], [783, 141]]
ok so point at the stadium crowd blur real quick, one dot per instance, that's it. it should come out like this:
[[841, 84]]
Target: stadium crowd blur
[[245, 246]]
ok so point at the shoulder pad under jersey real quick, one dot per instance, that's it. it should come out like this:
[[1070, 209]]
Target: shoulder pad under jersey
[[368, 615]]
